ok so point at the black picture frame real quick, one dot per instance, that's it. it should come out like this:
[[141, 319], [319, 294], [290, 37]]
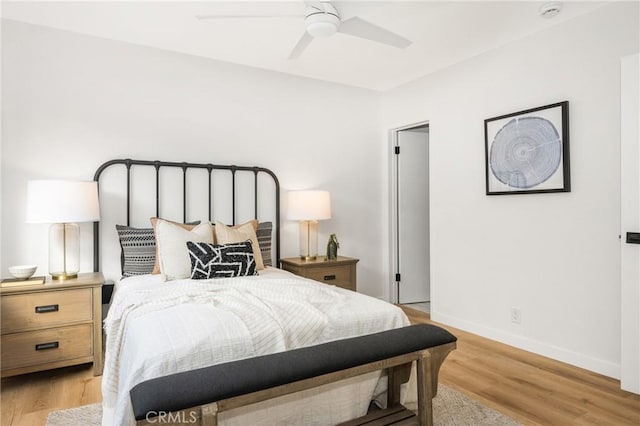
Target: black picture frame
[[527, 152]]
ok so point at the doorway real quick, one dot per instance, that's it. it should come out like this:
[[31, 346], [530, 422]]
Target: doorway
[[410, 215]]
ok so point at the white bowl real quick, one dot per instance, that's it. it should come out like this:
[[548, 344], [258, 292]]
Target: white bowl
[[22, 271]]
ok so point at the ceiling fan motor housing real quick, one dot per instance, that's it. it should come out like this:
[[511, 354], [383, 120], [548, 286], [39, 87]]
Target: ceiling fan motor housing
[[322, 23]]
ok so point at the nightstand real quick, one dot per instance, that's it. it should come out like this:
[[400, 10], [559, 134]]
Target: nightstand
[[340, 272], [52, 325]]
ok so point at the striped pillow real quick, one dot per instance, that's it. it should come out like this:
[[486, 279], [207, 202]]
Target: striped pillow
[[264, 241], [138, 253]]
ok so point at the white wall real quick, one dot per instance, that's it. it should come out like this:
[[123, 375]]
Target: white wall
[[71, 102], [554, 256]]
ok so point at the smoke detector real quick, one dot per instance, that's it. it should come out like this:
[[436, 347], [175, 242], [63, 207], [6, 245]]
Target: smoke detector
[[549, 10]]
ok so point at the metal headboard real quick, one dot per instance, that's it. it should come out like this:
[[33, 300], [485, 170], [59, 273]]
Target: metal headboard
[[186, 166]]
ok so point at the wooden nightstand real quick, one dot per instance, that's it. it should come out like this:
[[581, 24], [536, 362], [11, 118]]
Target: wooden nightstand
[[340, 272], [52, 325]]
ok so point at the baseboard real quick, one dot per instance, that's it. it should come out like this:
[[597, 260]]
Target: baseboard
[[599, 366]]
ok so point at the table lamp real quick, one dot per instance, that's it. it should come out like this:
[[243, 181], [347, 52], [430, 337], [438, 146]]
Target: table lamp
[[309, 207], [63, 204]]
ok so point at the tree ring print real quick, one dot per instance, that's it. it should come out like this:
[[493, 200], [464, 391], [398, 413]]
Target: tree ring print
[[525, 152]]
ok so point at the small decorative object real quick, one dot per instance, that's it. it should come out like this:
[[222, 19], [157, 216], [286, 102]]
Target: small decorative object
[[332, 247], [22, 271], [528, 151], [63, 204], [309, 207]]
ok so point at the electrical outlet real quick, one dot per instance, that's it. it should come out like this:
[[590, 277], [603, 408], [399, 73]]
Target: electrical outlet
[[516, 316]]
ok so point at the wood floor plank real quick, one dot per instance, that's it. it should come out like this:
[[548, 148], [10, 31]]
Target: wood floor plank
[[529, 388]]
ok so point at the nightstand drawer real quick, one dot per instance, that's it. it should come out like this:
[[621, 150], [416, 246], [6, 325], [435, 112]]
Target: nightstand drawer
[[33, 310], [335, 275], [340, 272], [39, 347]]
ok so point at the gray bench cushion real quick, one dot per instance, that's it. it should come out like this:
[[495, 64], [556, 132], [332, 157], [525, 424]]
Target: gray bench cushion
[[204, 385]]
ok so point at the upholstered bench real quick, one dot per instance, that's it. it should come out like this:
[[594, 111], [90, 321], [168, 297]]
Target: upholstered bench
[[197, 396]]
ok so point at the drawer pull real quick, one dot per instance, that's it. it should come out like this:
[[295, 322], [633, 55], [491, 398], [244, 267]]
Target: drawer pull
[[45, 346], [47, 308], [329, 277]]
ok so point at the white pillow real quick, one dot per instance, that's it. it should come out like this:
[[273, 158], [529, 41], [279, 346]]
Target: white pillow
[[172, 247], [241, 233]]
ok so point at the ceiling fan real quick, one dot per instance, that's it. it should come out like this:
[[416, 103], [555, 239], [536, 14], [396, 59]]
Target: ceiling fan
[[322, 19]]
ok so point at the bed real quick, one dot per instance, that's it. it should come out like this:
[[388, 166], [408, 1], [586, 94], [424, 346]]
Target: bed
[[160, 324]]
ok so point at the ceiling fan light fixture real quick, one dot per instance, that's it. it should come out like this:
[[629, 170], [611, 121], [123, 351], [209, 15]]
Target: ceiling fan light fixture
[[322, 29], [322, 24]]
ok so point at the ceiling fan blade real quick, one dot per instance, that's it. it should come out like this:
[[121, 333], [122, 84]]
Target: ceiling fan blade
[[207, 17], [300, 46], [364, 29]]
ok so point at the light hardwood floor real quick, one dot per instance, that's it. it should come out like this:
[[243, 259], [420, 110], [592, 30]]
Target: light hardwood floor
[[527, 387], [530, 388], [28, 399]]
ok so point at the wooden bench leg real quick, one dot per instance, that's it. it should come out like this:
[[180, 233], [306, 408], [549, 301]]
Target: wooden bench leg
[[210, 414], [396, 376], [425, 391], [428, 368]]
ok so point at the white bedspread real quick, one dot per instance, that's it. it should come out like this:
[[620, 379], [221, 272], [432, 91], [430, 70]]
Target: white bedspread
[[155, 328]]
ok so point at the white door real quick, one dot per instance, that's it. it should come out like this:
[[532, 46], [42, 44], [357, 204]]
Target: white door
[[630, 224], [413, 215]]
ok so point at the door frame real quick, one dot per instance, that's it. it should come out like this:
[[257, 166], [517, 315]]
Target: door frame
[[393, 201], [629, 288]]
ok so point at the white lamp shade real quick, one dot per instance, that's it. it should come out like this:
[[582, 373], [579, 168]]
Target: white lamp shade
[[62, 201], [309, 205]]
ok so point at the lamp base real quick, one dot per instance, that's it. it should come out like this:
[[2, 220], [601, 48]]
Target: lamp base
[[308, 258], [61, 276], [308, 239], [64, 251]]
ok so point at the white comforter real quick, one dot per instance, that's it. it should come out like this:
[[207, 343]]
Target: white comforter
[[155, 328]]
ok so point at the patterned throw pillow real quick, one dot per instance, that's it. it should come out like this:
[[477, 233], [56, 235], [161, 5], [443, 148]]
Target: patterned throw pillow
[[221, 261], [138, 250], [264, 241]]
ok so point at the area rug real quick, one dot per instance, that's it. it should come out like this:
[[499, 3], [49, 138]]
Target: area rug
[[449, 408]]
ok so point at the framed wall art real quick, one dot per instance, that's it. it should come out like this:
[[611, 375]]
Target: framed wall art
[[528, 151]]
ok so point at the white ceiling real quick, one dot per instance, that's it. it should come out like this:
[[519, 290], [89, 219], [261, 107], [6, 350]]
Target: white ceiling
[[443, 33]]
